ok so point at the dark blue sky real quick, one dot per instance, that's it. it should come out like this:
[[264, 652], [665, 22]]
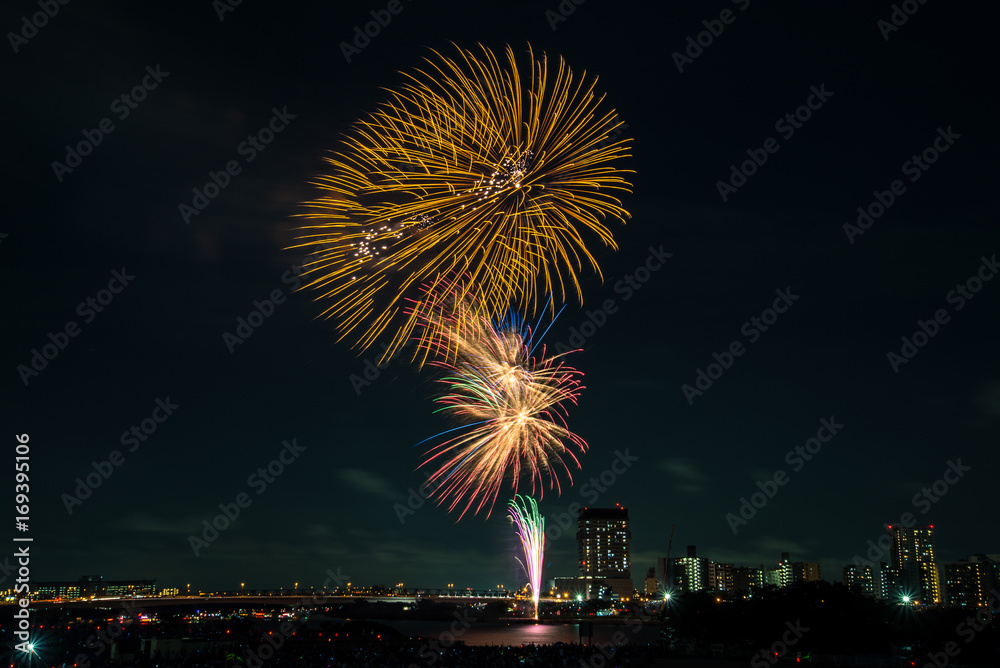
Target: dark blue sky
[[875, 102]]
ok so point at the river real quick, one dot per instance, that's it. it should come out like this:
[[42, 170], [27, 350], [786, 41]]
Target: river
[[517, 633]]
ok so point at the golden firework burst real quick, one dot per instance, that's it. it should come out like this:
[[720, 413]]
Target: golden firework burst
[[472, 169], [510, 407]]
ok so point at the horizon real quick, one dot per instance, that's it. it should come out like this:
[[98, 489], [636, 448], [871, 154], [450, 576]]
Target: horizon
[[790, 341]]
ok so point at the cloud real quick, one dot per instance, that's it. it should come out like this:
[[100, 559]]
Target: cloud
[[368, 482], [685, 473]]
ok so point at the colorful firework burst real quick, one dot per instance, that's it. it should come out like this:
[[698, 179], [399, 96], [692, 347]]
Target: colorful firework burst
[[530, 528], [510, 405], [470, 168]]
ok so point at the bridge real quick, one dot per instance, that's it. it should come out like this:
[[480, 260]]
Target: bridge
[[294, 598]]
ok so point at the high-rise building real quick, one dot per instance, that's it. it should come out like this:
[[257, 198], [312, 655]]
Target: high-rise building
[[691, 572], [745, 577], [805, 571], [965, 584], [603, 539], [871, 581], [883, 581], [694, 573], [860, 579], [913, 564], [789, 572], [652, 583], [720, 576], [785, 570], [971, 582], [991, 566]]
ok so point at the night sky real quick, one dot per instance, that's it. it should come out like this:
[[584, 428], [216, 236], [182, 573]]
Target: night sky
[[879, 97]]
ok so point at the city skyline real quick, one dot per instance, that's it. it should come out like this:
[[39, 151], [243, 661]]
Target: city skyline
[[604, 533], [789, 344]]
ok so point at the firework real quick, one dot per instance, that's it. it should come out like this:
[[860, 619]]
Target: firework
[[530, 528], [471, 167], [510, 407]]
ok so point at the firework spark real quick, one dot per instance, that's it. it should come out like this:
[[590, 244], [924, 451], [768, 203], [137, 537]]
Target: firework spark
[[530, 528], [510, 406], [472, 168]]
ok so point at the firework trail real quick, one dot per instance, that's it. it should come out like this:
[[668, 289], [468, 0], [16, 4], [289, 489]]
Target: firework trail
[[509, 404], [530, 528], [471, 167]]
